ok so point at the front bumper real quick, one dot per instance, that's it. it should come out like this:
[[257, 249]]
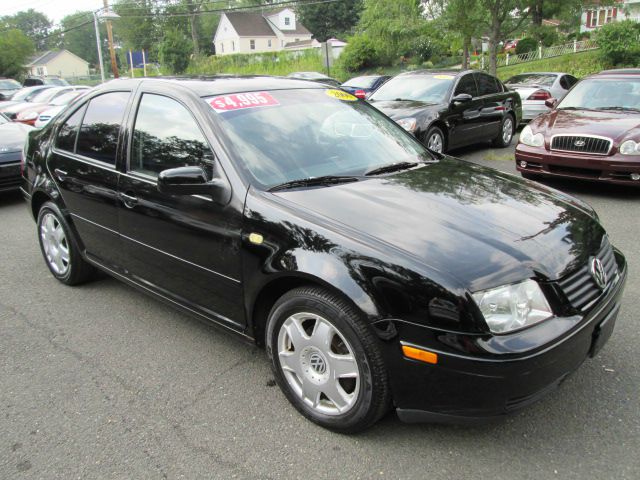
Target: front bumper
[[471, 382], [610, 169], [10, 178]]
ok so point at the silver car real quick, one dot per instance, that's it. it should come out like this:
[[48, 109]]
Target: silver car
[[536, 87]]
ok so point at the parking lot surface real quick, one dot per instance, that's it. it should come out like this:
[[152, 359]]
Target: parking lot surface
[[101, 381]]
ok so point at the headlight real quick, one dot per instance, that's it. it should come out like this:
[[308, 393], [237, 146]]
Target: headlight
[[630, 147], [513, 307], [528, 138], [409, 124]]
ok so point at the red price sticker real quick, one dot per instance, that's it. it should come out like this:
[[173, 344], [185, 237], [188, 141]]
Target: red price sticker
[[238, 101]]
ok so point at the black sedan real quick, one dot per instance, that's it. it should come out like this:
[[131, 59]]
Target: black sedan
[[12, 139], [376, 273], [364, 85], [451, 109]]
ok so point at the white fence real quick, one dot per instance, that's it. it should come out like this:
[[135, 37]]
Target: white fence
[[541, 52]]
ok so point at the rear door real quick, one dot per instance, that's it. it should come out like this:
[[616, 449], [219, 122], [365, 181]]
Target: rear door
[[183, 247], [83, 164], [493, 104]]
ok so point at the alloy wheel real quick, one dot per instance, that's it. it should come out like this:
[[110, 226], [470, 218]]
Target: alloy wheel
[[435, 142], [318, 363], [507, 130], [55, 244]]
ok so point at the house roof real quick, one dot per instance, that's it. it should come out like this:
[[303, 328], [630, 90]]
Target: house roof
[[247, 24], [300, 43], [43, 58]]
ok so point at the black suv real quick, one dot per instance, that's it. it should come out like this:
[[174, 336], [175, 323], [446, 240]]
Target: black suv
[[451, 108], [375, 272]]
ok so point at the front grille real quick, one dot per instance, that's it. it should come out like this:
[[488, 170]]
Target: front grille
[[580, 287], [581, 144]]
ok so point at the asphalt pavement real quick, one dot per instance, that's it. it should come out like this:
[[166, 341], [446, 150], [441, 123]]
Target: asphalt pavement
[[101, 381]]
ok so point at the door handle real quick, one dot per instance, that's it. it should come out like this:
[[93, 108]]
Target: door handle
[[61, 174], [129, 201]]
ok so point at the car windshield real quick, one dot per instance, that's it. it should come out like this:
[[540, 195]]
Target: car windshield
[[542, 79], [60, 82], [23, 94], [286, 135], [360, 82], [46, 96], [65, 98], [308, 75], [422, 88], [8, 84], [604, 94]]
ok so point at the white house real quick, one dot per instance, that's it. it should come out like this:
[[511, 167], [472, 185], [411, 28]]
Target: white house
[[248, 32], [594, 15], [58, 62]]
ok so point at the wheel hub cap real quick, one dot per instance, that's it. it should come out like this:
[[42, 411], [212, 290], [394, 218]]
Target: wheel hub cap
[[54, 244], [318, 363]]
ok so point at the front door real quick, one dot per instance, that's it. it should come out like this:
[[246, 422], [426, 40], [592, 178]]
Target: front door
[[464, 118], [183, 247], [83, 164]]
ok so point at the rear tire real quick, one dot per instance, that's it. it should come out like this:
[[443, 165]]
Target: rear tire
[[505, 136], [327, 361], [59, 247]]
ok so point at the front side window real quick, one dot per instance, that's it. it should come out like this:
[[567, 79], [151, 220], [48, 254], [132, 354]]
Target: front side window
[[467, 85], [98, 136], [159, 144], [486, 84], [67, 134]]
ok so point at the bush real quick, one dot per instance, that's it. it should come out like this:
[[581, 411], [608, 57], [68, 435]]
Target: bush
[[619, 43], [526, 45], [545, 34], [175, 51], [360, 53]]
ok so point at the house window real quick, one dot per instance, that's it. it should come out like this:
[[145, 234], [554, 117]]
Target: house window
[[609, 15], [222, 47], [287, 21], [269, 43], [233, 46], [601, 17], [297, 39], [282, 43], [252, 44]]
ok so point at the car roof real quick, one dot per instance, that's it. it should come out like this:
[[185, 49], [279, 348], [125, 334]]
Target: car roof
[[217, 85], [434, 72], [619, 71], [540, 73]]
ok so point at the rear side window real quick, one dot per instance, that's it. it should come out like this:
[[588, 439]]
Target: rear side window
[[69, 131], [165, 136], [487, 85], [467, 85], [567, 81], [98, 136]]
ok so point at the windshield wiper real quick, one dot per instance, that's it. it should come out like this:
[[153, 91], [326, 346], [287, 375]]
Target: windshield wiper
[[314, 181], [394, 167], [623, 109]]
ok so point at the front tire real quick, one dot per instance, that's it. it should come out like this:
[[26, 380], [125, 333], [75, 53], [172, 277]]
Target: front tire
[[60, 248], [326, 360], [434, 140], [505, 136]]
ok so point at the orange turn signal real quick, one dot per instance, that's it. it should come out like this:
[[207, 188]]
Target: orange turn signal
[[419, 354]]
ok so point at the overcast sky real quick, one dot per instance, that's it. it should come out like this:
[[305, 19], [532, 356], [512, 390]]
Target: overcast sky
[[54, 9]]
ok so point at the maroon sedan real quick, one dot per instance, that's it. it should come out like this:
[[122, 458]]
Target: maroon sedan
[[593, 133]]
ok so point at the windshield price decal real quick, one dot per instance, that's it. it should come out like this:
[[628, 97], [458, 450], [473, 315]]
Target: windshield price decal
[[227, 103], [341, 95]]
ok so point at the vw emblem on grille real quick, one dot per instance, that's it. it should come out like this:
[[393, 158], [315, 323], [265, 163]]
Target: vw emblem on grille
[[579, 143], [597, 273], [317, 363]]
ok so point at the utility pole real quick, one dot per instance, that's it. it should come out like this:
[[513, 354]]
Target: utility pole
[[112, 52]]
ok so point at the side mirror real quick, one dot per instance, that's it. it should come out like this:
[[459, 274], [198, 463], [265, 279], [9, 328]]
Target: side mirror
[[462, 98], [551, 102], [193, 181]]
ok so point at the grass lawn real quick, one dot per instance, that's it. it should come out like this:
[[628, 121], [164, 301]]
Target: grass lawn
[[577, 64]]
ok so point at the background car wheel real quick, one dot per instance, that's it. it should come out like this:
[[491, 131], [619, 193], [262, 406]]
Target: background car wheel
[[434, 140], [505, 136], [327, 361], [59, 247]]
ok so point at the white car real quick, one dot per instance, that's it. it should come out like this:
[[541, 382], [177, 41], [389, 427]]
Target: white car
[[57, 105], [536, 87]]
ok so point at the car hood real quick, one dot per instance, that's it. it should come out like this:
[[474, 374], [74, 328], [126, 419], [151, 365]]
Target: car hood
[[610, 124], [19, 107], [406, 108], [12, 136], [483, 227]]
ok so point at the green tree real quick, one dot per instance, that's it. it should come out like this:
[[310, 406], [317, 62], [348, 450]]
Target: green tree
[[619, 44], [137, 27], [175, 50], [327, 20], [467, 19], [81, 39], [504, 17], [16, 48], [32, 23]]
